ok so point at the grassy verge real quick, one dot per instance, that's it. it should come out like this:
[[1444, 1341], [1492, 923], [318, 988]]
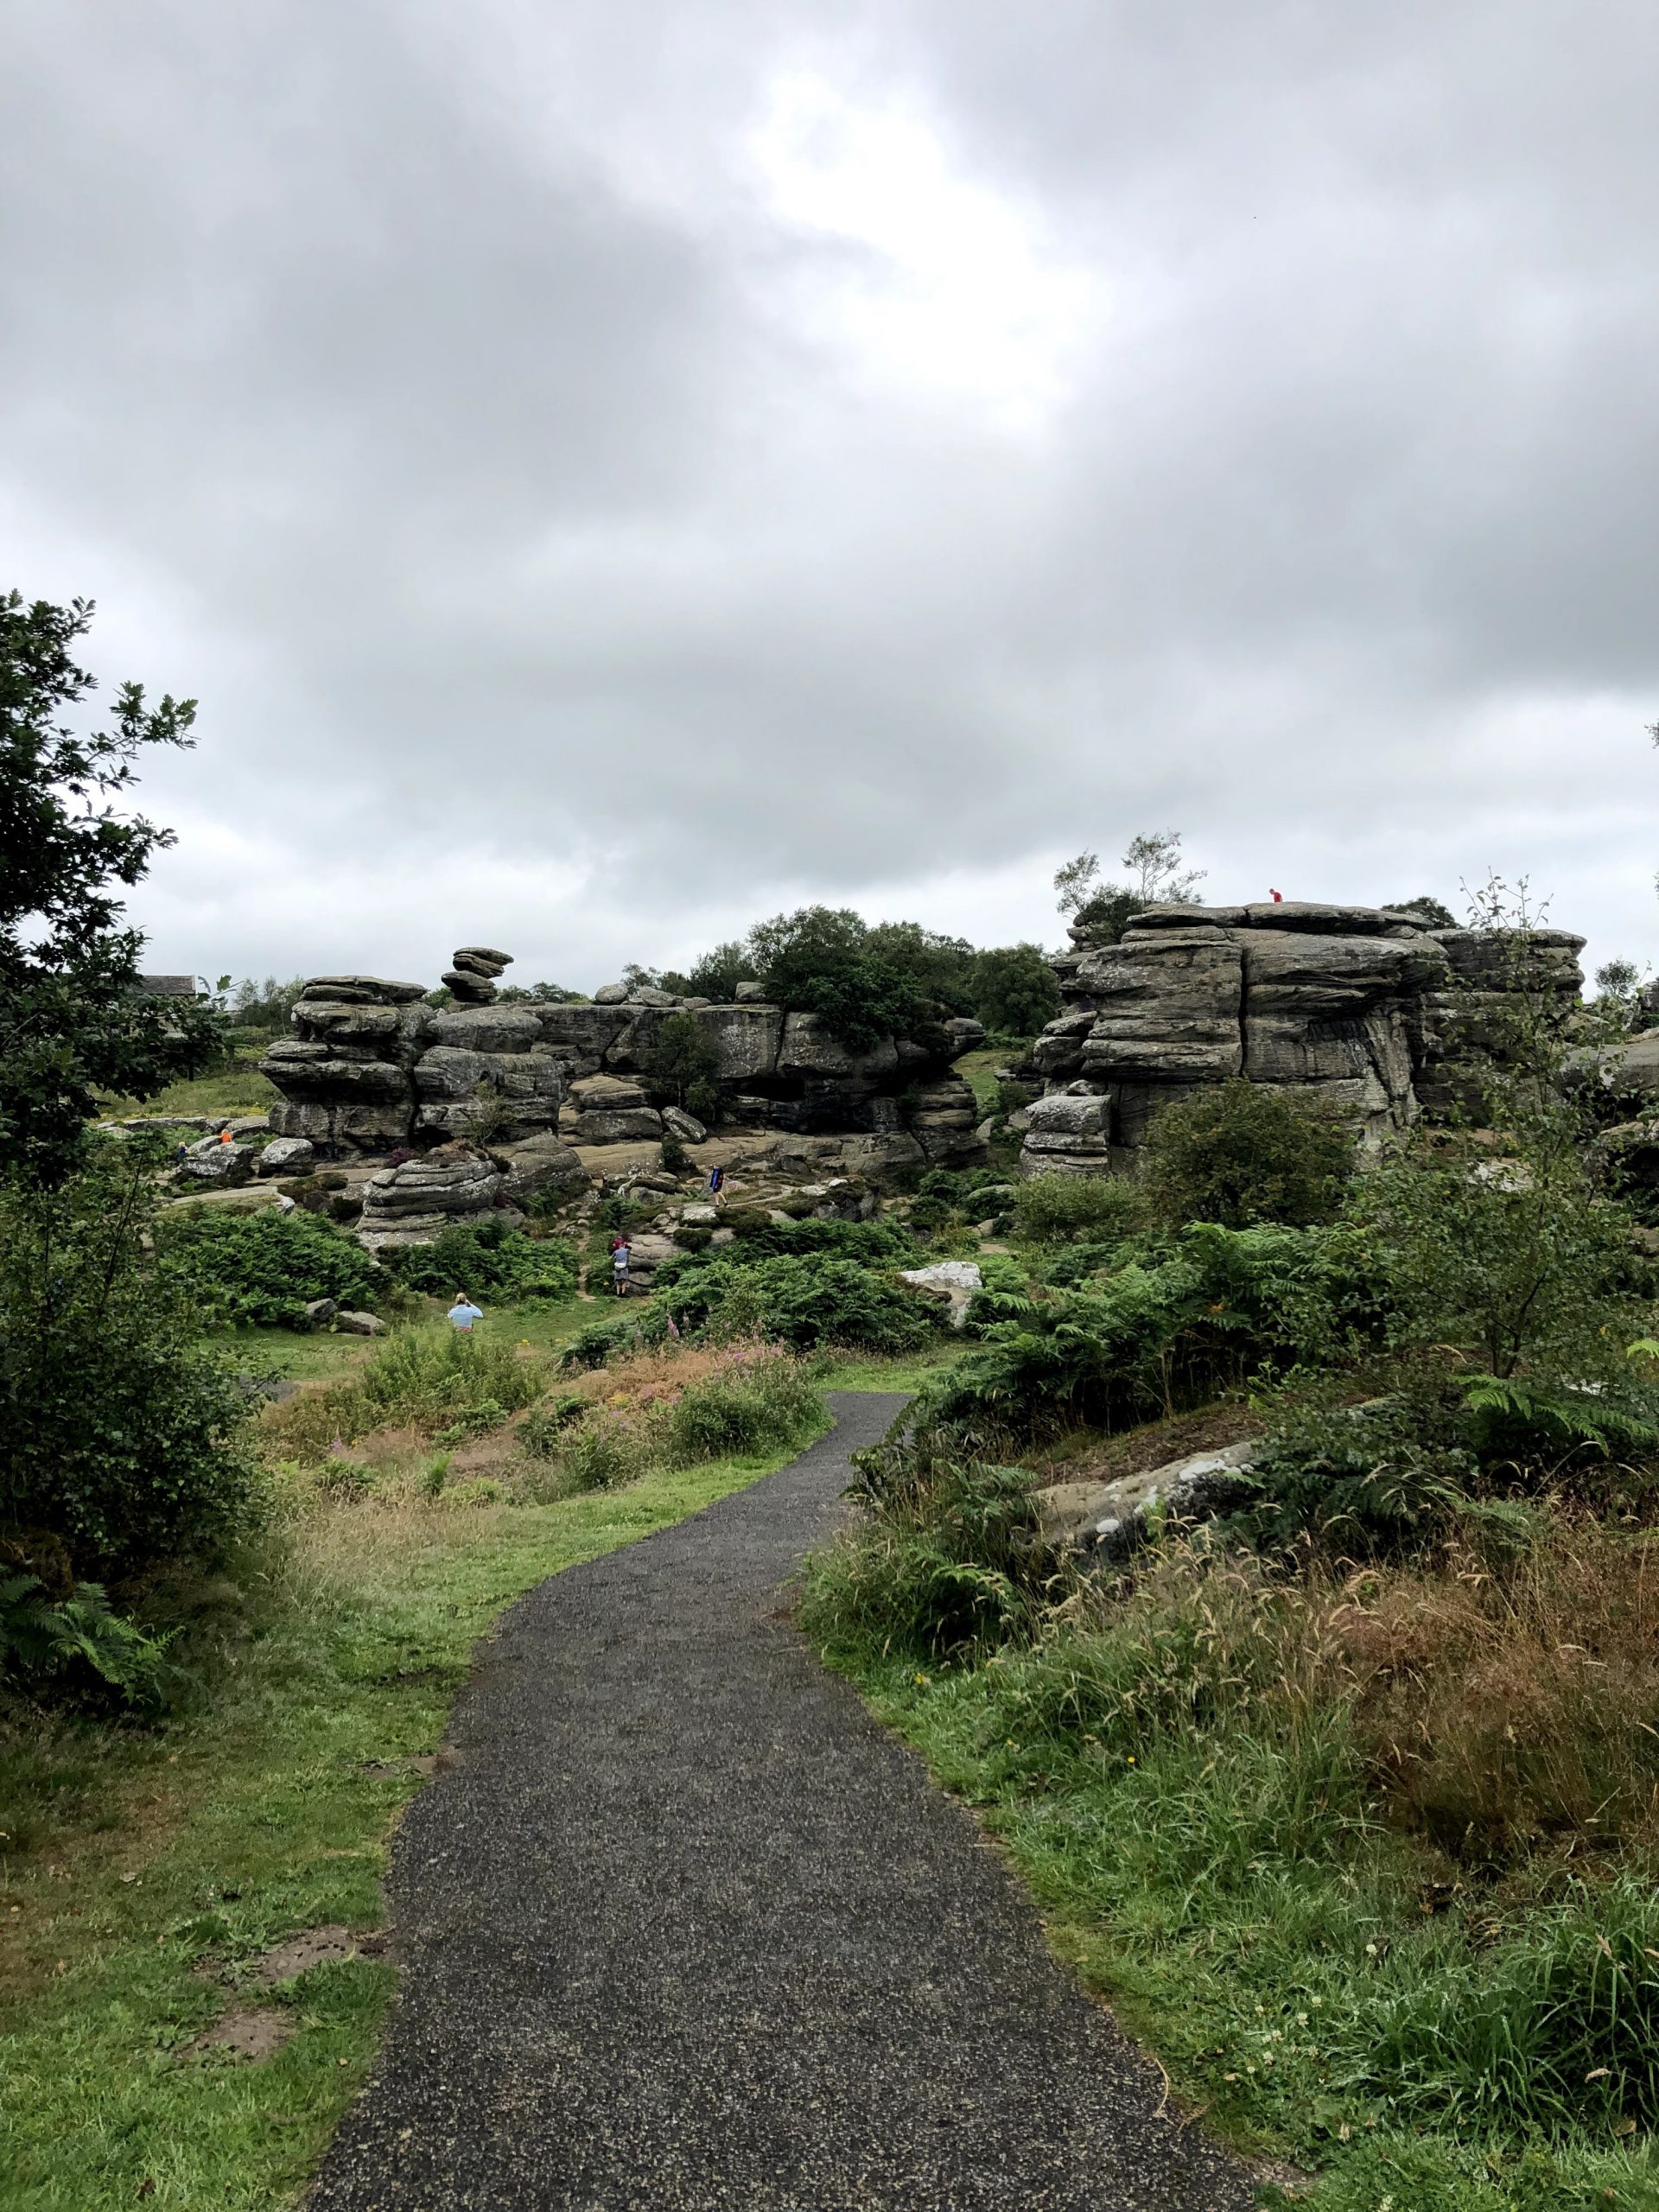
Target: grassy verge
[[978, 1070], [857, 1370], [134, 1857], [1275, 1947], [240, 1089]]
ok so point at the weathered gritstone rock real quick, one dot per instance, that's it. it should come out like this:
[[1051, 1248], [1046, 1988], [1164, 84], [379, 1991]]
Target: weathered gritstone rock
[[346, 1073], [539, 1166], [1108, 1520], [1360, 1008], [214, 1161], [371, 1067], [286, 1156], [953, 1282], [414, 1203]]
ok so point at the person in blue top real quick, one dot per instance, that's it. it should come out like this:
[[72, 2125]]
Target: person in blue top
[[463, 1312]]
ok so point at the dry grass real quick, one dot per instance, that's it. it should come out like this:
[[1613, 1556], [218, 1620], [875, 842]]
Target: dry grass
[[1501, 1711], [1509, 1708]]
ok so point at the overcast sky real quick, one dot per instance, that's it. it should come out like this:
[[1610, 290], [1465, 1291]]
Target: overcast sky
[[611, 468]]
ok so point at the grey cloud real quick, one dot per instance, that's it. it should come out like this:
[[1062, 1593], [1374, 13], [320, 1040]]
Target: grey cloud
[[451, 389]]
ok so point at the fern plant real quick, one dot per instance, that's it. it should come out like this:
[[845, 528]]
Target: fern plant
[[43, 1645]]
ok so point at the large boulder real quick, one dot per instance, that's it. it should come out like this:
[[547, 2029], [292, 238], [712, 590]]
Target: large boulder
[[415, 1202], [220, 1165], [538, 1166], [952, 1283], [1068, 1132], [1108, 1520], [286, 1156]]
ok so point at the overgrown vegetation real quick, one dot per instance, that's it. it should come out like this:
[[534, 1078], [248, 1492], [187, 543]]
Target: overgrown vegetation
[[489, 1258], [260, 1270], [1241, 1153], [1346, 1794]]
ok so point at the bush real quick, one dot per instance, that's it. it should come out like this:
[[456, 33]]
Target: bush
[[678, 1407], [1171, 1329], [261, 1270], [118, 1434], [1067, 1208], [1015, 989], [421, 1373], [683, 1067], [802, 1303], [937, 1564], [490, 1258], [1243, 1154]]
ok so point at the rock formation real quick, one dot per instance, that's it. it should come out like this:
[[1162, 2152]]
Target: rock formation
[[1363, 1008], [372, 1068]]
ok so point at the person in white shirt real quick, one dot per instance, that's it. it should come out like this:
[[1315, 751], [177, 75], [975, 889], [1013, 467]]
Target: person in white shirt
[[463, 1312]]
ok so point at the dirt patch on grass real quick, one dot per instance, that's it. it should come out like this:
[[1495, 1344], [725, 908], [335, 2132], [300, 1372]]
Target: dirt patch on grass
[[250, 2033], [313, 1947]]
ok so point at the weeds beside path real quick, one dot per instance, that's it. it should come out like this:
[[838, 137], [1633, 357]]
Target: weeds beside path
[[148, 1854]]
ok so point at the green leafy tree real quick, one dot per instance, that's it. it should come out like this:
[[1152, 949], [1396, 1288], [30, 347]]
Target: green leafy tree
[[942, 968], [717, 974], [118, 1433], [1015, 989], [73, 1021], [1435, 915], [1101, 910], [819, 960], [1241, 1153], [683, 1067]]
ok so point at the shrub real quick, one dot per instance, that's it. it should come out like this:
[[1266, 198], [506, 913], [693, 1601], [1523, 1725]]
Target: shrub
[[683, 1067], [1015, 989], [937, 1564], [418, 1373], [803, 1303], [1243, 1153], [261, 1269], [679, 1406], [118, 1434], [1168, 1329], [490, 1258], [1520, 1261], [1065, 1209]]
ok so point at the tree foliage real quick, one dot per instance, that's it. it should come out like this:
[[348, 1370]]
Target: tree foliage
[[118, 1433], [72, 1022], [1242, 1154], [1101, 909], [683, 1067], [1014, 989]]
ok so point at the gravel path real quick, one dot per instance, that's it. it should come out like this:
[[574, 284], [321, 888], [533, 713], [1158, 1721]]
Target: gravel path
[[683, 1927]]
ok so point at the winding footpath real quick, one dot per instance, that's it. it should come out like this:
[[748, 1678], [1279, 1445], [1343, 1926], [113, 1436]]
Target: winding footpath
[[683, 1927]]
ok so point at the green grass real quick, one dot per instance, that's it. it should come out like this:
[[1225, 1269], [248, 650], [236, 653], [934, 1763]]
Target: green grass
[[133, 1856], [1212, 1889], [858, 1370], [978, 1070], [240, 1089]]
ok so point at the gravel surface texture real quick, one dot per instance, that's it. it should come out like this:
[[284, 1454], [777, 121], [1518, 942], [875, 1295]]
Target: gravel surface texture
[[682, 1927]]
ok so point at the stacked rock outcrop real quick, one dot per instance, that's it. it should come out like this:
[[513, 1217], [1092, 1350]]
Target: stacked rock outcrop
[[347, 1075], [416, 1201], [471, 977], [1363, 1008], [372, 1067]]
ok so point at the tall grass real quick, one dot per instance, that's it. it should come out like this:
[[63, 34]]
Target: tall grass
[[1367, 1854], [426, 1376]]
